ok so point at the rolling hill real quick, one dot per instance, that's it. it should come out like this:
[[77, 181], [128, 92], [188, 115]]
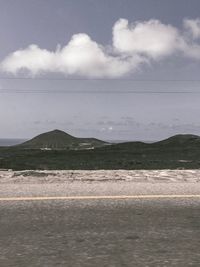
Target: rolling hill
[[58, 150], [181, 140], [59, 140]]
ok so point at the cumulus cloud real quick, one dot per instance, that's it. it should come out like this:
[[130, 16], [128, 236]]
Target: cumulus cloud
[[156, 40], [32, 58], [193, 26], [133, 45], [85, 57], [151, 38], [81, 56]]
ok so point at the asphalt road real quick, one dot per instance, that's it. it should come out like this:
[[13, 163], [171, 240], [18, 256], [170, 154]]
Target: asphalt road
[[98, 233]]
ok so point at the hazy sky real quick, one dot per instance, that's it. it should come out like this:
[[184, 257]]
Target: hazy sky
[[112, 69]]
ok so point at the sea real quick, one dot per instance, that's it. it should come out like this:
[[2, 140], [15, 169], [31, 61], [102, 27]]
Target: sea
[[11, 141]]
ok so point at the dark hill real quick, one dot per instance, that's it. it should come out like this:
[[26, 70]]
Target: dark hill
[[181, 139], [68, 152], [176, 146], [60, 140]]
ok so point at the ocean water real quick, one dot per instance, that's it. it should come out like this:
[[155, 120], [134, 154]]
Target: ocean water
[[10, 142]]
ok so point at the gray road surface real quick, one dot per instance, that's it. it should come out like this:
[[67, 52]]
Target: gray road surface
[[98, 189], [98, 233]]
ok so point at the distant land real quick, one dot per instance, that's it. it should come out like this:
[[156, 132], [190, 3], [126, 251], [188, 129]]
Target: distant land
[[59, 140], [11, 141], [17, 141], [58, 134], [58, 150]]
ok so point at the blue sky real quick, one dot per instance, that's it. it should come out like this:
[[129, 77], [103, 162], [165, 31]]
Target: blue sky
[[109, 45]]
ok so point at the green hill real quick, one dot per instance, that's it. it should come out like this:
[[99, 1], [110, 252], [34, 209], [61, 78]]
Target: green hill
[[59, 140], [58, 150], [181, 140]]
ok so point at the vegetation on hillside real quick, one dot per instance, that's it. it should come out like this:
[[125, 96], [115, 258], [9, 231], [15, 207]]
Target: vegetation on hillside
[[177, 152]]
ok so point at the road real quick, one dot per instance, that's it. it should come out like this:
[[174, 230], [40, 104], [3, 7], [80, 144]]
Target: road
[[100, 232]]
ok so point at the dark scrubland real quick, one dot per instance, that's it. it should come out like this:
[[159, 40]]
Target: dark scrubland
[[177, 152]]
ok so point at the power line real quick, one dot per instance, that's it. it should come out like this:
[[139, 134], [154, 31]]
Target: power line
[[98, 79], [42, 91]]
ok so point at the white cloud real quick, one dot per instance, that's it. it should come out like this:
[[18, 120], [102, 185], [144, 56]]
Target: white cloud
[[156, 40], [193, 26], [32, 58], [151, 38], [81, 56], [133, 45]]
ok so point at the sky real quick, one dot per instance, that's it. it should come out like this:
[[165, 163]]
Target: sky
[[110, 69]]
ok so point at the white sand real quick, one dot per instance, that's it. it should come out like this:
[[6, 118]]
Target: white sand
[[96, 183], [155, 176]]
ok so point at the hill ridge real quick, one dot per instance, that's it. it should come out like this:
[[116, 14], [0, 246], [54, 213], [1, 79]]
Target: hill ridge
[[58, 139]]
